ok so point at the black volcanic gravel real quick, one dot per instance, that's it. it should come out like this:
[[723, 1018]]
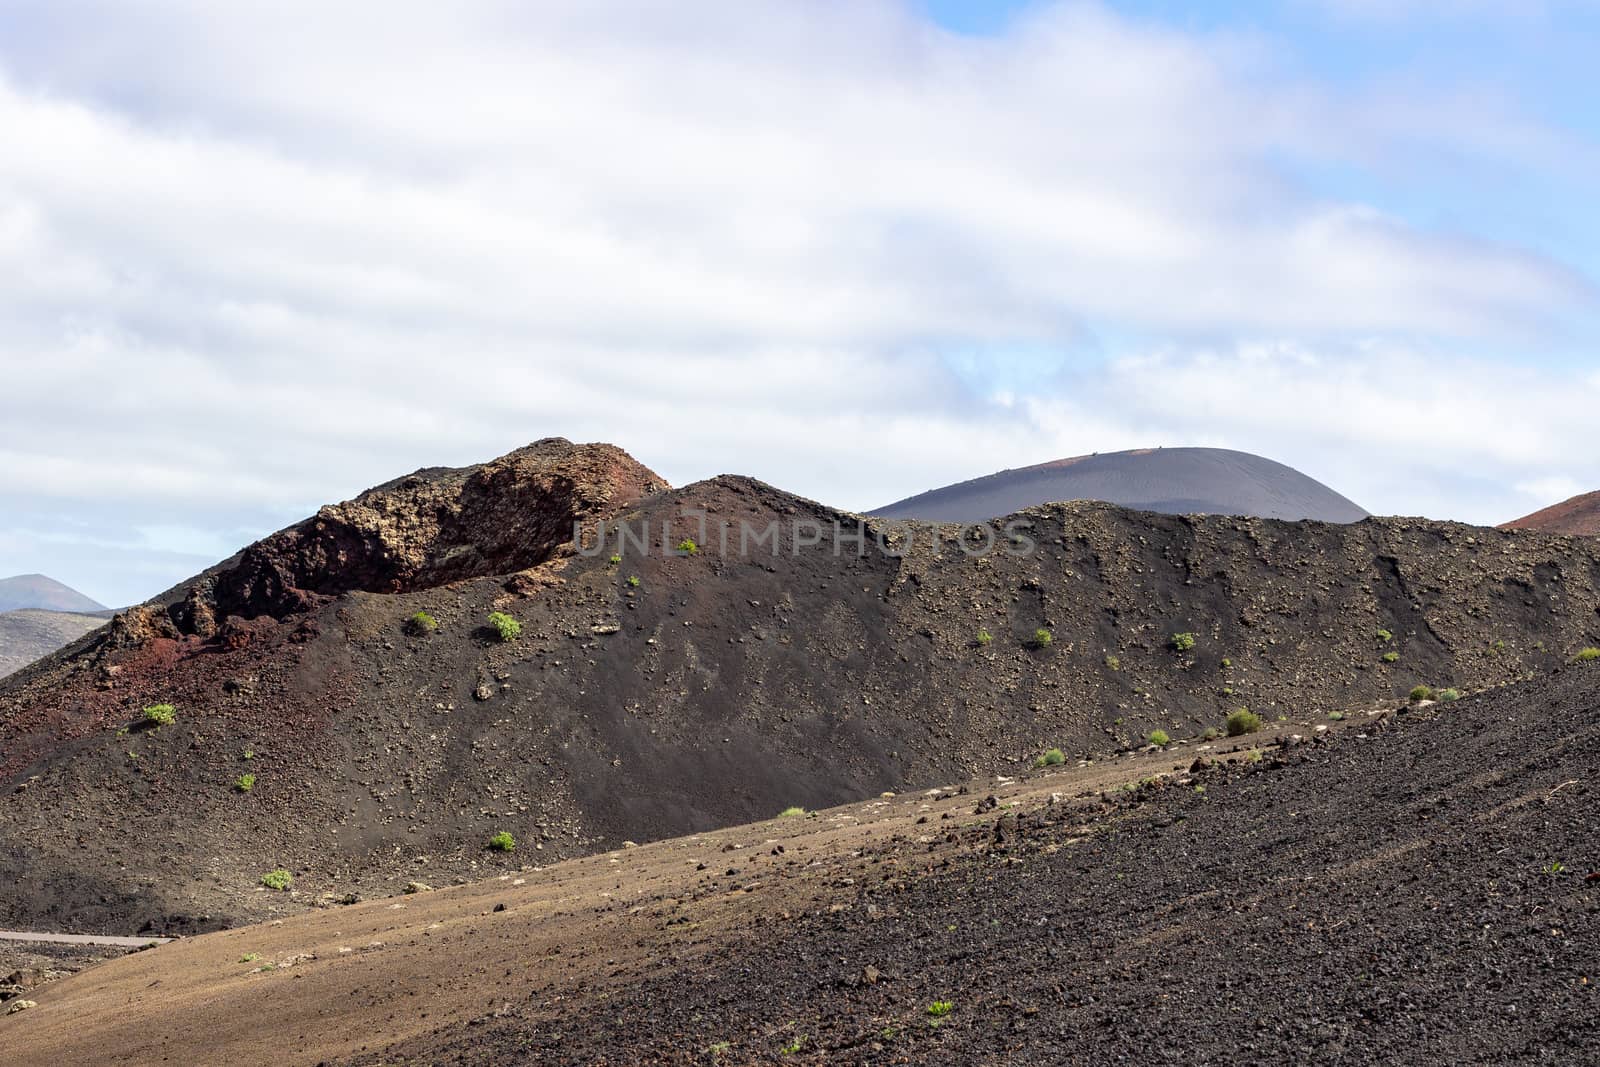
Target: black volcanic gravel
[[1424, 895]]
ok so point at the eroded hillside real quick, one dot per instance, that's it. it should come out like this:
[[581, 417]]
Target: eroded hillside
[[657, 694]]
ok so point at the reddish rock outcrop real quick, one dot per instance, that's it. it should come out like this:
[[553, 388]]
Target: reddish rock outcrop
[[426, 529], [1579, 516]]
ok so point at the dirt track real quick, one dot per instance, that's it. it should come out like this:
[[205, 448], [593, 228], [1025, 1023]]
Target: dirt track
[[80, 939]]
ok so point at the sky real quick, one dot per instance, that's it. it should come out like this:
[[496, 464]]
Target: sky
[[257, 258]]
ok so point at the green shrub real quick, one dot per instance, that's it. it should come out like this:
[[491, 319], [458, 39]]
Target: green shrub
[[250, 957], [940, 1008], [1243, 721], [505, 626], [244, 783], [1051, 757], [984, 636], [422, 623], [161, 715], [1391, 657], [633, 581], [1336, 716], [1114, 663], [278, 879], [1042, 637], [1446, 696], [502, 842], [1226, 662], [1253, 756], [1385, 636], [791, 813], [688, 547], [1183, 642], [1211, 734], [1160, 738], [615, 560], [1421, 692], [1588, 655]]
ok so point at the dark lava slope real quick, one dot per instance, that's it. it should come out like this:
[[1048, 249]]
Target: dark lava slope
[[1174, 481], [1424, 891], [660, 694]]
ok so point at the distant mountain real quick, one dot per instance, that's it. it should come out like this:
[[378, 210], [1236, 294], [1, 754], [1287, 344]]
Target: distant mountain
[[1175, 481], [38, 591], [1577, 516], [29, 634]]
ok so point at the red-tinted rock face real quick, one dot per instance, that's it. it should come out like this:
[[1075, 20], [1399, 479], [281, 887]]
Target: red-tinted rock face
[[1579, 516], [424, 530]]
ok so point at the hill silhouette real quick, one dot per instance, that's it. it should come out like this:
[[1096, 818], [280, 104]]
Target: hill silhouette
[[44, 593], [1176, 481]]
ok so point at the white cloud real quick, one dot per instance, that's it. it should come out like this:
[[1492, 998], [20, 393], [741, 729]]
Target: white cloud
[[265, 255]]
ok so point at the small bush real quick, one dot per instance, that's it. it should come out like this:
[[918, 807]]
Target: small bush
[[1183, 642], [244, 783], [1446, 696], [422, 623], [688, 547], [1042, 637], [633, 581], [1113, 663], [1160, 738], [984, 636], [279, 879], [1420, 693], [1385, 636], [502, 842], [940, 1008], [250, 957], [1211, 734], [505, 626], [615, 560], [1336, 716], [1588, 655], [161, 715], [1226, 662], [1243, 721], [1051, 757], [249, 754], [1391, 657], [791, 813], [1253, 756]]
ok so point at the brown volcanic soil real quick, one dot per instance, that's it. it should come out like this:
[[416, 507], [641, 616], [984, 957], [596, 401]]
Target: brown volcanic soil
[[1579, 516], [1411, 888], [717, 690]]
